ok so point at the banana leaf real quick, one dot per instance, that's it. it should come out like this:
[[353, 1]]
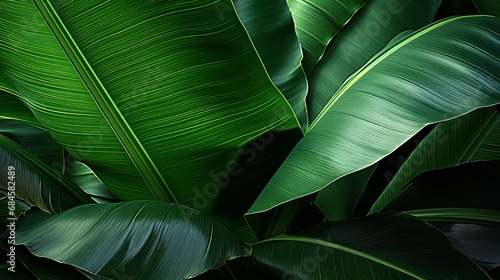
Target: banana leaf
[[18, 207], [33, 139], [40, 268], [147, 239], [13, 109], [477, 242], [473, 232], [469, 185], [42, 145], [156, 103], [488, 7], [84, 177], [370, 248], [271, 28], [389, 100], [473, 137], [338, 200], [318, 22], [369, 31]]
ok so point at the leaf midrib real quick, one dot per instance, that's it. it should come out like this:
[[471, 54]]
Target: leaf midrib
[[345, 249], [370, 65], [462, 215], [488, 127], [117, 122]]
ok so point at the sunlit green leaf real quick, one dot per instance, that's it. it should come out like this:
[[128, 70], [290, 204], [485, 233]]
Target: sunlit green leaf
[[407, 87]]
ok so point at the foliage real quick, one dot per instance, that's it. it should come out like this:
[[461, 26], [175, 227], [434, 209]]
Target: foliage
[[218, 140]]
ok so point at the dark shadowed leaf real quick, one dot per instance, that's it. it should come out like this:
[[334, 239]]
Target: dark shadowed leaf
[[35, 140], [317, 22], [473, 137], [338, 200], [42, 268], [488, 7], [473, 232], [469, 185], [35, 182]]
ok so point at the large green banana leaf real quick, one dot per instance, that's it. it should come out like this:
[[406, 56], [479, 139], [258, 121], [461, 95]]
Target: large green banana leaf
[[155, 102], [271, 28], [365, 35], [317, 22], [148, 239], [370, 248], [488, 7], [473, 137], [438, 73], [36, 182]]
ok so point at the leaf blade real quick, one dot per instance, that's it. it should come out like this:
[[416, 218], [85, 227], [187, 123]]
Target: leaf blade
[[353, 134], [368, 33], [271, 28], [389, 246], [317, 22], [109, 239], [473, 137]]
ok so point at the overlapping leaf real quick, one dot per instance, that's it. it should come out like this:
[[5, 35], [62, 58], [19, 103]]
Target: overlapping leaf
[[370, 248], [271, 28], [153, 101], [30, 267], [488, 7], [36, 182], [147, 239], [33, 139], [11, 208], [338, 200], [473, 137], [470, 185], [367, 33], [13, 109], [84, 177], [440, 72], [473, 232], [317, 22]]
